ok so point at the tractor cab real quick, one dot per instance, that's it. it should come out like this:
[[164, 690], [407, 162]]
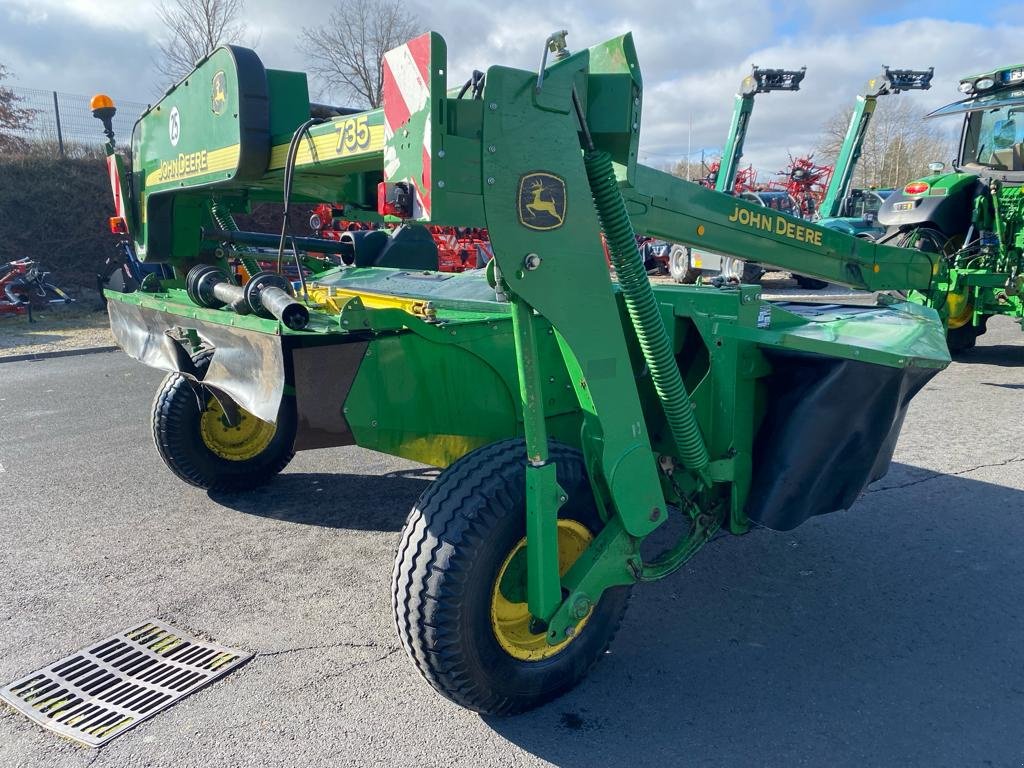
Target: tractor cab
[[992, 139], [864, 203]]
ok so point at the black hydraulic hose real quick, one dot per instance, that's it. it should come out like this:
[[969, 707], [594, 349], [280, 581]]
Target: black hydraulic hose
[[289, 171], [644, 313]]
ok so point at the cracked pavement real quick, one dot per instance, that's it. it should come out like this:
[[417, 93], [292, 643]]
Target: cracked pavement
[[888, 635]]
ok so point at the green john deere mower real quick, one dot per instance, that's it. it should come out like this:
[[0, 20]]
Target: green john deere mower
[[597, 411]]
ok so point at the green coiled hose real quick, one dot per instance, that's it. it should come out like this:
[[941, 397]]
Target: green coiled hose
[[644, 313]]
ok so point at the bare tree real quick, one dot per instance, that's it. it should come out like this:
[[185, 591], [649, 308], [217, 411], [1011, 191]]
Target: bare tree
[[694, 169], [346, 52], [196, 28], [12, 117], [898, 147]]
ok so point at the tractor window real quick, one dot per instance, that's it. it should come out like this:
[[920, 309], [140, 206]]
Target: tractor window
[[995, 138]]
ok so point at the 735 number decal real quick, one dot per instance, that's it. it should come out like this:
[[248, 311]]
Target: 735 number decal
[[353, 135]]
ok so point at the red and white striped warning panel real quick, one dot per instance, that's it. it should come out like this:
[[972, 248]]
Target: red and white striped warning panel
[[407, 114]]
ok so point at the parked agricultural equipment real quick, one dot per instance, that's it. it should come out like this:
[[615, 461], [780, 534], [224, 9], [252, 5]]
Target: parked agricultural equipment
[[759, 80], [24, 286], [840, 205], [686, 264], [597, 412], [745, 180], [971, 221], [806, 182]]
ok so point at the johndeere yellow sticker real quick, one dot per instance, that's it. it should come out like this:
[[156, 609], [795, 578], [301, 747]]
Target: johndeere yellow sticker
[[541, 201], [779, 225]]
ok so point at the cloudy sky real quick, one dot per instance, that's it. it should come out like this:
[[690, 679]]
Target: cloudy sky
[[693, 52]]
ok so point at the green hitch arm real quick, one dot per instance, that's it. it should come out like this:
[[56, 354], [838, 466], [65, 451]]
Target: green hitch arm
[[644, 314], [667, 207], [544, 497]]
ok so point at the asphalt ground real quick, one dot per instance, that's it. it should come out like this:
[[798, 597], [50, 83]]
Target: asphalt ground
[[889, 635]]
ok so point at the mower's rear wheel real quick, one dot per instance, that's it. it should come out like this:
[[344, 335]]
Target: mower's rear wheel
[[203, 449], [459, 584]]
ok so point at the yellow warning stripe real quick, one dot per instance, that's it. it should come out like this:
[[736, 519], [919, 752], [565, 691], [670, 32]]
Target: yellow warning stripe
[[194, 164], [331, 146]]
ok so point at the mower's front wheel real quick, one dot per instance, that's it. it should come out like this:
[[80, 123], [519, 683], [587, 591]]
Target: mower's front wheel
[[200, 446], [459, 584]]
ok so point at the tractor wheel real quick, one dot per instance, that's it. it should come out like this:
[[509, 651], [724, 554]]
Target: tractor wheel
[[964, 337], [201, 448], [459, 584], [961, 339], [741, 270], [679, 267]]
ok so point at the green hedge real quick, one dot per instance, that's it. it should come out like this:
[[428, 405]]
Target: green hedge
[[54, 210]]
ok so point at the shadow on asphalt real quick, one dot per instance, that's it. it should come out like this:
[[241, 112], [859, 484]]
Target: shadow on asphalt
[[1003, 355], [879, 637], [356, 502]]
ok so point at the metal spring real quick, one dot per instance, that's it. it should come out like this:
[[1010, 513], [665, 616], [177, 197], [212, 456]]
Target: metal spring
[[644, 313]]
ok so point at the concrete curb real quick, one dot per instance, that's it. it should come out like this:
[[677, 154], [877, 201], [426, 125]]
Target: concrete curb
[[32, 356]]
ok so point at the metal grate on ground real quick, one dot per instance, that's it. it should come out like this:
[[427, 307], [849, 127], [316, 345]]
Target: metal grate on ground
[[113, 685]]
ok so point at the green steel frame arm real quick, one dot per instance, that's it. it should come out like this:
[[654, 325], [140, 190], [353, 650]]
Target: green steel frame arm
[[733, 150], [758, 81], [890, 81], [666, 207]]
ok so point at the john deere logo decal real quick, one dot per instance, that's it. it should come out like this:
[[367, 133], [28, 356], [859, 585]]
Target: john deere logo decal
[[219, 93], [541, 201]]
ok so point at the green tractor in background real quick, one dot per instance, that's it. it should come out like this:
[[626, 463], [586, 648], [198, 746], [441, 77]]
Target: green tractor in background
[[971, 219]]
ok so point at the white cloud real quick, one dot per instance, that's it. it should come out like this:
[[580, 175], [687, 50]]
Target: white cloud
[[693, 53]]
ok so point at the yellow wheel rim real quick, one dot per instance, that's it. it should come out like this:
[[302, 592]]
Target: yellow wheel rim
[[960, 310], [246, 440], [510, 616]]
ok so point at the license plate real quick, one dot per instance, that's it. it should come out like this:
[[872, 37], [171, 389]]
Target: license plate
[[907, 206]]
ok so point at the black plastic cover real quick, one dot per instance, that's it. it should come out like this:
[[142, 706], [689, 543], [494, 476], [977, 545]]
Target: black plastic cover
[[830, 430]]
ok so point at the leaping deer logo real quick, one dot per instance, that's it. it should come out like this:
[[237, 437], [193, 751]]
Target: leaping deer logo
[[541, 201], [218, 93]]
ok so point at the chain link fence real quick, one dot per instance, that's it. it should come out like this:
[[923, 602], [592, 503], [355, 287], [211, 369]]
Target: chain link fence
[[64, 121]]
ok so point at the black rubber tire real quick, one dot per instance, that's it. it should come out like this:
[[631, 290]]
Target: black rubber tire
[[966, 336], [176, 415], [453, 545], [679, 266], [963, 338], [810, 283]]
